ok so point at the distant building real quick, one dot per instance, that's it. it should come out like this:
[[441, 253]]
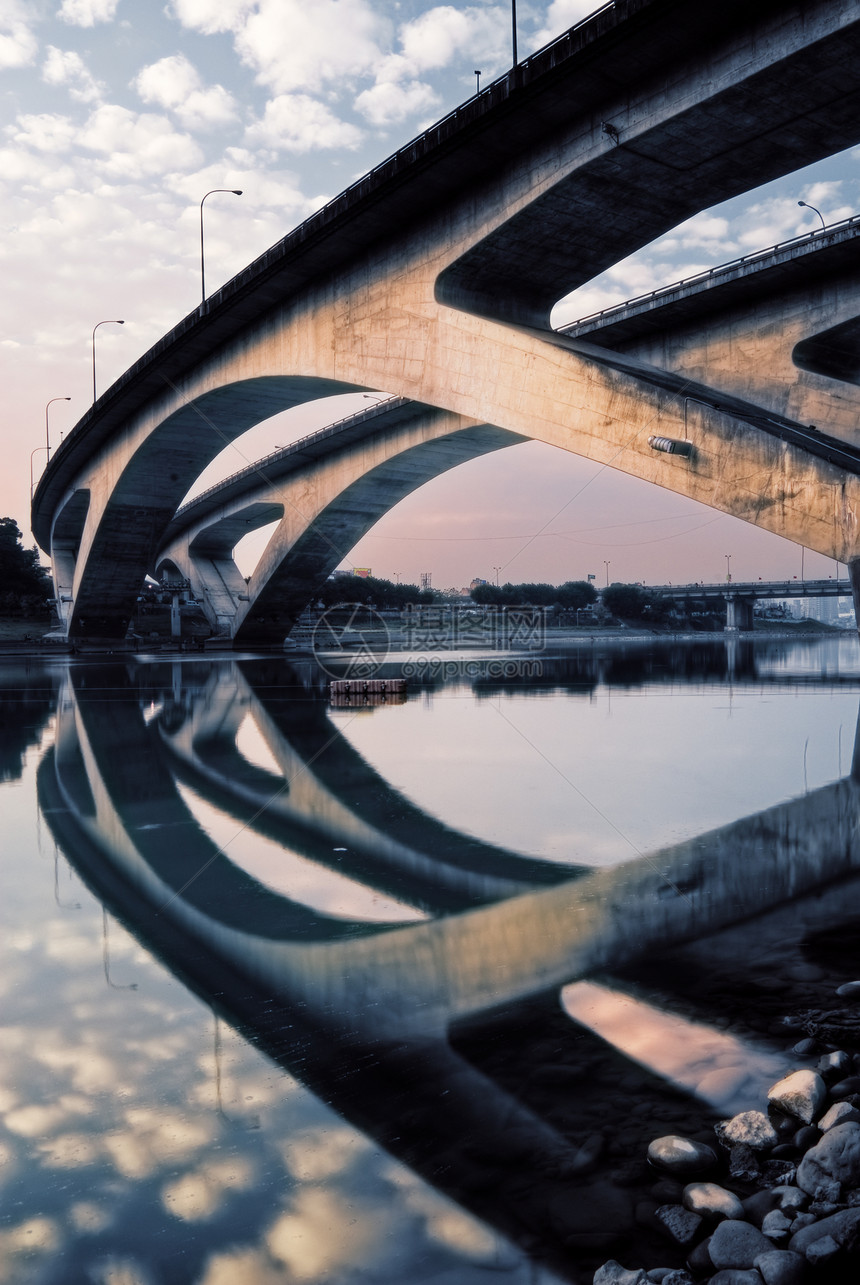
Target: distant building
[[477, 582]]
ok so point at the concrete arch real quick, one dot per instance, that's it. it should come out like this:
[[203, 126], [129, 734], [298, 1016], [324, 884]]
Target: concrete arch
[[325, 508]]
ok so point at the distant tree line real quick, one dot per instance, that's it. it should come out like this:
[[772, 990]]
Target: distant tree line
[[25, 586], [569, 596], [373, 591]]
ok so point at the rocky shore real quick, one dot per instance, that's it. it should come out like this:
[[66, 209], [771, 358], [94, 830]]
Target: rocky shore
[[776, 1199]]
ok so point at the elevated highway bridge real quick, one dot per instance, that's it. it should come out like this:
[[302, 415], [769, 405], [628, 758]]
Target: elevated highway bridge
[[433, 279]]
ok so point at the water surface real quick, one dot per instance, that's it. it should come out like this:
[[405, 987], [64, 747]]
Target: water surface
[[294, 993]]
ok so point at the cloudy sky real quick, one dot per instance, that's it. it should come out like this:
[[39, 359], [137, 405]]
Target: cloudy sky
[[118, 115]]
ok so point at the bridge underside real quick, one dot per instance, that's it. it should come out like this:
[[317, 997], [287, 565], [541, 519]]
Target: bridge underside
[[434, 280]]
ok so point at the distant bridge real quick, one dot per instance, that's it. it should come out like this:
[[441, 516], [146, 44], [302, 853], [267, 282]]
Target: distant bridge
[[740, 596], [433, 278]]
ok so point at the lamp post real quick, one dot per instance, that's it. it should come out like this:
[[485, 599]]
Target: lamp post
[[607, 565], [807, 206], [478, 81], [235, 192], [47, 435], [108, 322], [497, 570], [35, 451], [728, 568]]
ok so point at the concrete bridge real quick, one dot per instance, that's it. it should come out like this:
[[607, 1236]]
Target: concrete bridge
[[740, 597], [433, 279]]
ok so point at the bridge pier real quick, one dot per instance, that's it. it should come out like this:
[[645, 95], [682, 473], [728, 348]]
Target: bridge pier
[[739, 613]]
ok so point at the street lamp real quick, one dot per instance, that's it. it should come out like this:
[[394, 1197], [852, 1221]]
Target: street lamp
[[807, 206], [108, 322], [235, 192], [728, 568], [497, 570], [607, 564], [478, 80], [47, 436]]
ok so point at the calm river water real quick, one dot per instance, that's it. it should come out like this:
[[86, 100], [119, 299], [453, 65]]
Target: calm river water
[[297, 992]]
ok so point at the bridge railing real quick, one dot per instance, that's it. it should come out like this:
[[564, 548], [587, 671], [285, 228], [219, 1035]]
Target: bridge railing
[[707, 274], [294, 448]]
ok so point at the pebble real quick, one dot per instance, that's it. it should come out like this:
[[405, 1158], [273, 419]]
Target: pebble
[[801, 1094], [839, 1113], [681, 1224], [681, 1155], [840, 1227], [832, 1162], [806, 1048], [780, 1267], [743, 1164], [807, 1137], [835, 1066], [799, 1222], [848, 990], [736, 1244], [845, 1088], [710, 1200], [613, 1273], [821, 1251], [752, 1128], [776, 1226]]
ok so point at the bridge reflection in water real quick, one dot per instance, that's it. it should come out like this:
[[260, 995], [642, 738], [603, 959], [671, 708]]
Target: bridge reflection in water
[[421, 1018]]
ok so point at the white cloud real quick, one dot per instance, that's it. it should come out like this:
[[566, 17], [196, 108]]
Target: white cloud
[[137, 145], [561, 15], [65, 67], [86, 13], [292, 45], [174, 83], [44, 133], [445, 34], [299, 123], [17, 43], [388, 102], [211, 16]]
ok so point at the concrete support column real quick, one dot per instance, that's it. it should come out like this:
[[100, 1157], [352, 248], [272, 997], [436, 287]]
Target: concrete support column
[[739, 613], [854, 577]]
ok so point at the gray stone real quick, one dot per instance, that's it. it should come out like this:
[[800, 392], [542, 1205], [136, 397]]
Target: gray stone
[[681, 1155], [737, 1244], [776, 1225], [780, 1267], [680, 1223], [743, 1164], [676, 1276], [752, 1128], [839, 1113], [712, 1201], [832, 1162], [848, 990], [612, 1273], [822, 1250], [843, 1228], [801, 1094], [790, 1199], [736, 1276], [803, 1220], [835, 1066]]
